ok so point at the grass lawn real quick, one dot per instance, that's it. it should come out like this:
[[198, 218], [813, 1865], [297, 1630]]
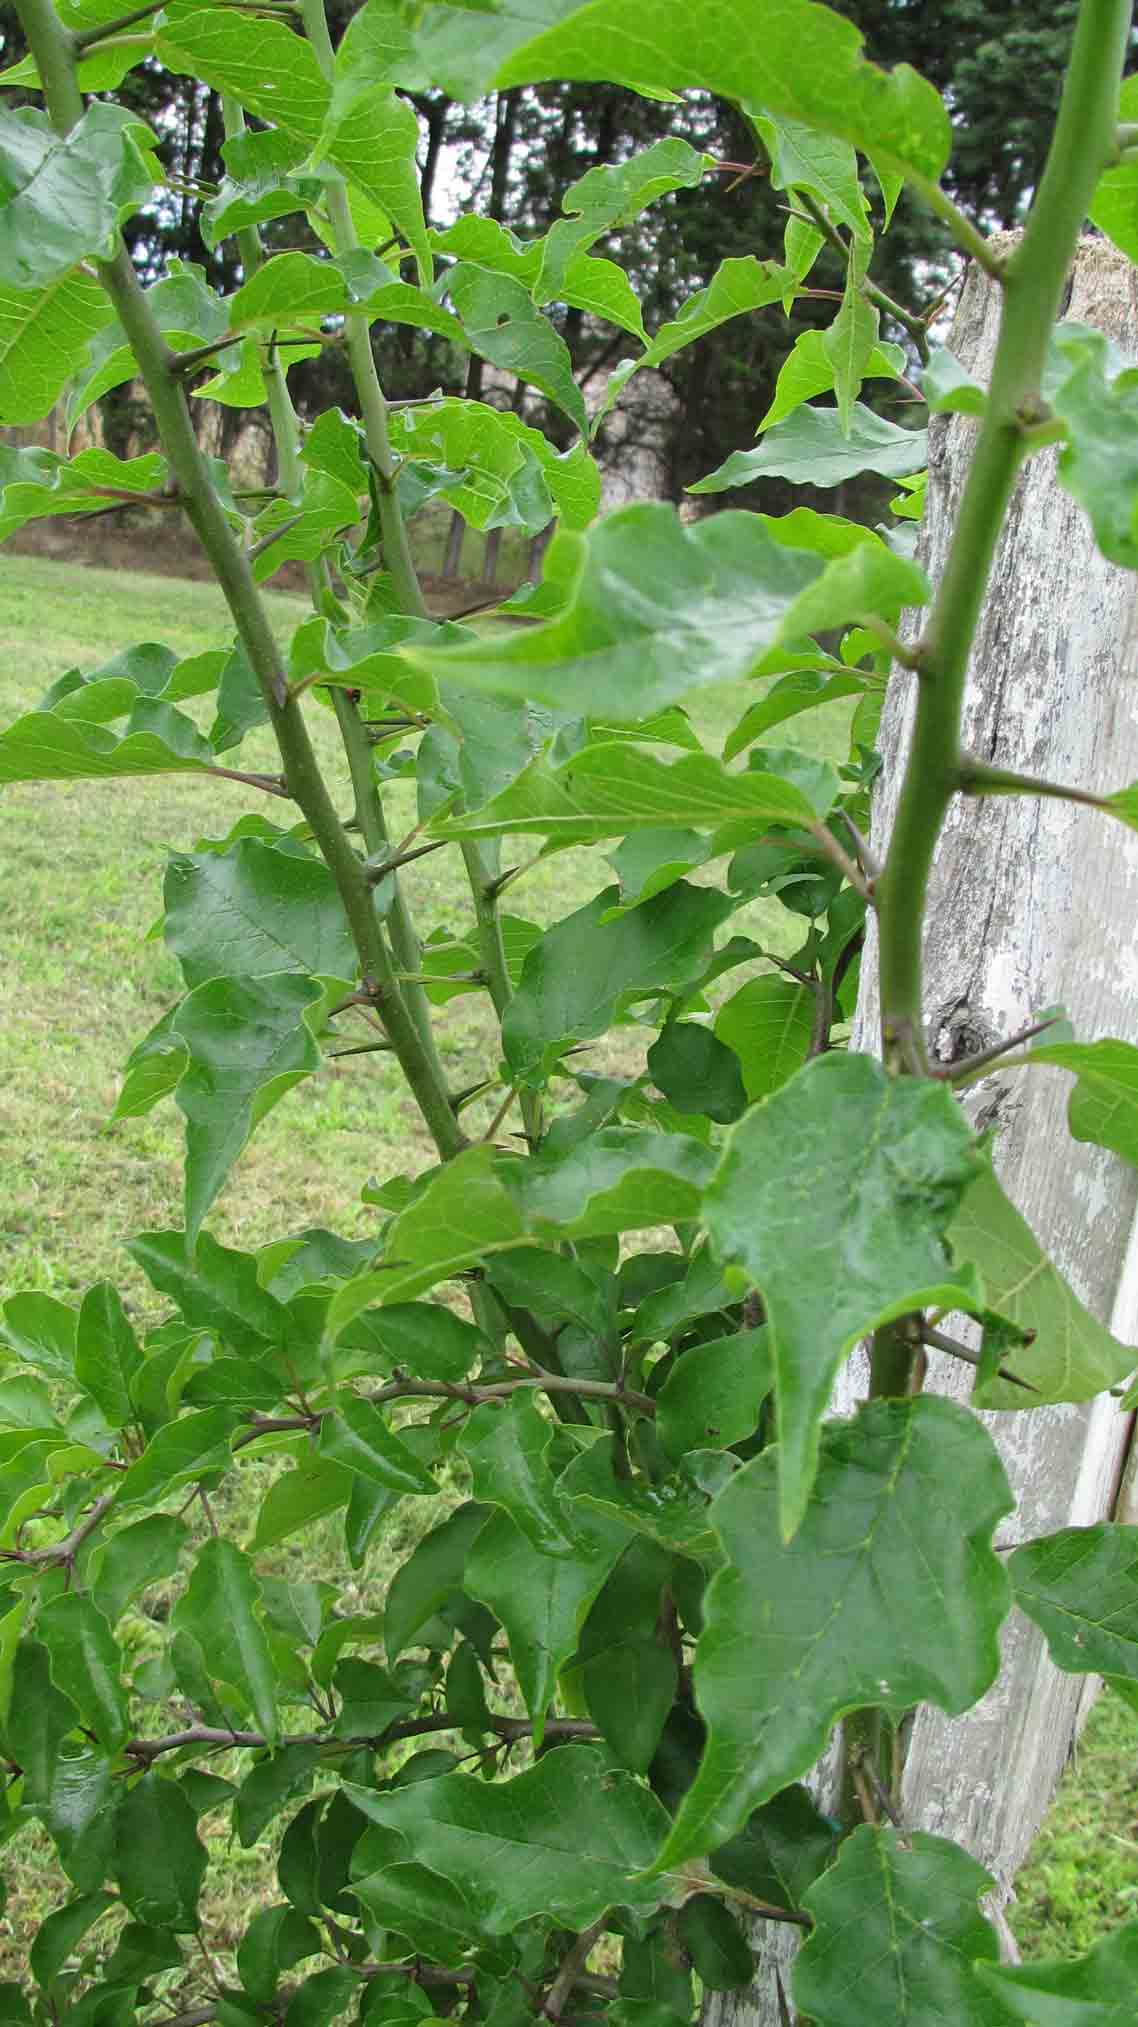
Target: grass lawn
[[80, 983]]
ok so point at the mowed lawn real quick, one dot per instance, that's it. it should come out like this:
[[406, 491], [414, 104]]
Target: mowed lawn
[[81, 980]]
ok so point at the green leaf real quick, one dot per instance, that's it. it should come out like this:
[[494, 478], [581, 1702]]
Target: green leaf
[[1114, 207], [719, 1951], [216, 1289], [489, 451], [617, 1179], [41, 1332], [712, 1395], [898, 1936], [431, 1572], [60, 1934], [44, 334], [800, 690], [507, 1448], [504, 327], [421, 1338], [650, 860], [65, 197], [252, 911], [1081, 1588], [796, 1634], [740, 285], [802, 63], [948, 388], [809, 370], [768, 1024], [658, 609], [1098, 466], [358, 1436], [628, 1672], [834, 1194], [219, 1609], [274, 1781], [1093, 1991], [313, 1489], [677, 1519], [136, 1556], [540, 1599], [38, 1720], [158, 1859], [43, 746], [85, 1663], [374, 144], [275, 1940], [559, 1841], [811, 449], [574, 980], [271, 71], [1073, 1356], [850, 339], [37, 485], [370, 1699], [464, 1213], [697, 1072], [612, 195], [1103, 1106], [781, 1849], [181, 1451], [107, 1354], [610, 789], [248, 1041], [801, 158]]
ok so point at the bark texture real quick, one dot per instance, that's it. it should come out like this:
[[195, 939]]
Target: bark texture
[[1033, 903]]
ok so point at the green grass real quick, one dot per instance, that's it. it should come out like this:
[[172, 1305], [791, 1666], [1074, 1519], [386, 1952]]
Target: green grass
[[80, 983]]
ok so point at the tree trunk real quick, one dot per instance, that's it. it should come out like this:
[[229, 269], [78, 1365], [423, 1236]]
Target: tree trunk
[[1033, 903]]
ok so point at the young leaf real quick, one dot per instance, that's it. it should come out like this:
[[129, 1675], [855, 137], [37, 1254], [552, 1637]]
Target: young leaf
[[835, 1194], [612, 195], [1095, 1991], [219, 1609], [216, 1289], [316, 1487], [1081, 1588], [45, 746], [1115, 206], [561, 1841], [464, 1213], [797, 1633], [811, 449], [374, 143], [801, 158], [132, 1558], [1072, 1356], [850, 339], [898, 1936], [617, 1179], [158, 1859]]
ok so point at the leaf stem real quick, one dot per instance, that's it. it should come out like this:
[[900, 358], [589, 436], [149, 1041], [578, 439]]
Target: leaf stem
[[967, 235], [975, 777], [1033, 280]]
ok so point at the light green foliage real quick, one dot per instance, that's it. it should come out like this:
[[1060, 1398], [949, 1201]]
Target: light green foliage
[[461, 1528]]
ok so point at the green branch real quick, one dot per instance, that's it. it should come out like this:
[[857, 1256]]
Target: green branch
[[55, 56], [1033, 280]]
